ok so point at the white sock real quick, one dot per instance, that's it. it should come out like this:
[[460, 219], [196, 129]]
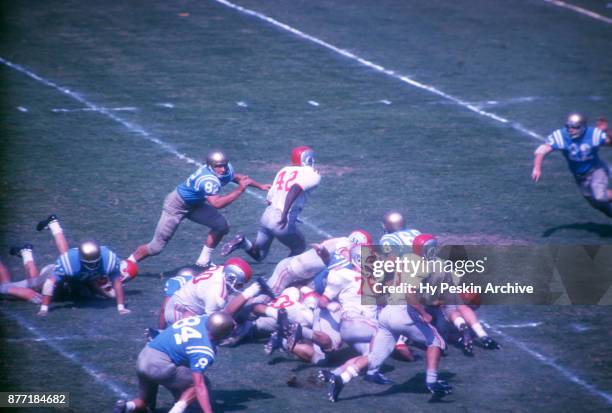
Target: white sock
[[272, 312], [432, 376], [26, 256], [348, 374], [477, 327], [251, 291], [307, 333], [459, 322], [204, 258], [55, 227], [179, 407], [246, 244], [131, 258], [130, 407]]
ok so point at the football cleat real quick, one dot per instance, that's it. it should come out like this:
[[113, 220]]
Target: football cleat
[[335, 387], [393, 221], [294, 336], [232, 245], [203, 266], [325, 376], [467, 344], [282, 322], [576, 124], [264, 288], [378, 378], [16, 250], [439, 388], [44, 224], [490, 344], [151, 333], [302, 156], [274, 343], [120, 406]]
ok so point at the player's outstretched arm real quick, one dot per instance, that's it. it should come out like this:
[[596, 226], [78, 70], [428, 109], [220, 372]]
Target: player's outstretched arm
[[221, 201], [253, 183], [118, 287], [201, 392], [539, 155]]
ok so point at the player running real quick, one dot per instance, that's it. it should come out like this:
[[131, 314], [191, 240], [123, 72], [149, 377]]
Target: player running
[[198, 199], [580, 144], [286, 199]]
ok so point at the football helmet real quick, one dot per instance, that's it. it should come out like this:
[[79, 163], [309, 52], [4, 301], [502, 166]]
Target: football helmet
[[185, 272], [425, 245], [237, 273], [393, 221], [89, 254], [128, 270], [216, 158], [220, 325], [576, 124], [302, 156], [360, 237]]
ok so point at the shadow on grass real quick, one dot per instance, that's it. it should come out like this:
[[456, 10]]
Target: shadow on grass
[[602, 230], [233, 400]]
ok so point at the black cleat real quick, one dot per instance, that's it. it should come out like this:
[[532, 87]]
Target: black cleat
[[378, 378], [467, 344], [282, 323], [335, 387], [439, 388], [490, 344], [232, 245], [274, 343], [16, 250], [325, 376], [264, 288], [151, 333], [294, 336], [120, 406], [45, 222]]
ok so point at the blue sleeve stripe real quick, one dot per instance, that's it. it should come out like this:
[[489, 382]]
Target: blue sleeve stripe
[[207, 352], [112, 260], [559, 139], [65, 260]]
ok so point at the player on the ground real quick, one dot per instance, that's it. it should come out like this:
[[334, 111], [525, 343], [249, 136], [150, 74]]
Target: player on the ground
[[286, 199], [87, 265], [172, 285], [198, 199], [177, 360], [207, 292], [26, 289], [580, 144]]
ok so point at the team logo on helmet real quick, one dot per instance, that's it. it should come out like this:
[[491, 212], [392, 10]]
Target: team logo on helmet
[[220, 325], [89, 254], [576, 124], [216, 159], [393, 221], [360, 237], [237, 272], [302, 156], [425, 245], [128, 270]]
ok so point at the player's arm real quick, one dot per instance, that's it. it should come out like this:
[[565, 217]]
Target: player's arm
[[221, 201], [539, 155], [120, 297], [201, 392], [47, 291], [294, 193], [253, 183]]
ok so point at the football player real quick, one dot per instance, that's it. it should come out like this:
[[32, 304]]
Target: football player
[[177, 359], [90, 264], [198, 199], [207, 292], [580, 144], [172, 285], [25, 289], [286, 199]]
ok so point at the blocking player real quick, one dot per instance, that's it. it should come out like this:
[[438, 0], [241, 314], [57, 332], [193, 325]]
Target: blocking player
[[580, 144], [286, 199], [172, 285], [177, 359], [86, 265], [198, 199]]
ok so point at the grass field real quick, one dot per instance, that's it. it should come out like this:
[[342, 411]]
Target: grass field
[[105, 106]]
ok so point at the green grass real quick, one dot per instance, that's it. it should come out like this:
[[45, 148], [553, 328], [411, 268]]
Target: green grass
[[449, 170]]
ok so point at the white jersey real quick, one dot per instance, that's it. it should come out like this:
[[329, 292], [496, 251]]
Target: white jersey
[[304, 176], [205, 293], [292, 300], [306, 265], [344, 285]]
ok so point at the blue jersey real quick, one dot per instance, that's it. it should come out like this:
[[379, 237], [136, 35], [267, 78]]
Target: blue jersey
[[581, 153], [68, 266], [187, 343], [202, 183], [402, 239], [176, 283]]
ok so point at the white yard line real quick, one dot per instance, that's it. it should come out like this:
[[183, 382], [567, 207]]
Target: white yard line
[[580, 10]]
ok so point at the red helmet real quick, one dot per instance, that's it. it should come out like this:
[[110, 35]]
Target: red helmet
[[425, 245], [128, 270], [237, 272], [360, 237], [302, 156]]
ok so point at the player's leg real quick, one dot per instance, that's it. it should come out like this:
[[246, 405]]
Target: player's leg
[[25, 252], [599, 191], [173, 212], [5, 275], [472, 320], [52, 224], [211, 217], [293, 238]]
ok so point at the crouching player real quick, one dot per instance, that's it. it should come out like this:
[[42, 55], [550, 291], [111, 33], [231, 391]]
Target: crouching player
[[177, 360]]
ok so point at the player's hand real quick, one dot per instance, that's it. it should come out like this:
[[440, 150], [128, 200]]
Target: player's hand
[[42, 313], [322, 252], [536, 174], [245, 181], [282, 223], [265, 187]]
